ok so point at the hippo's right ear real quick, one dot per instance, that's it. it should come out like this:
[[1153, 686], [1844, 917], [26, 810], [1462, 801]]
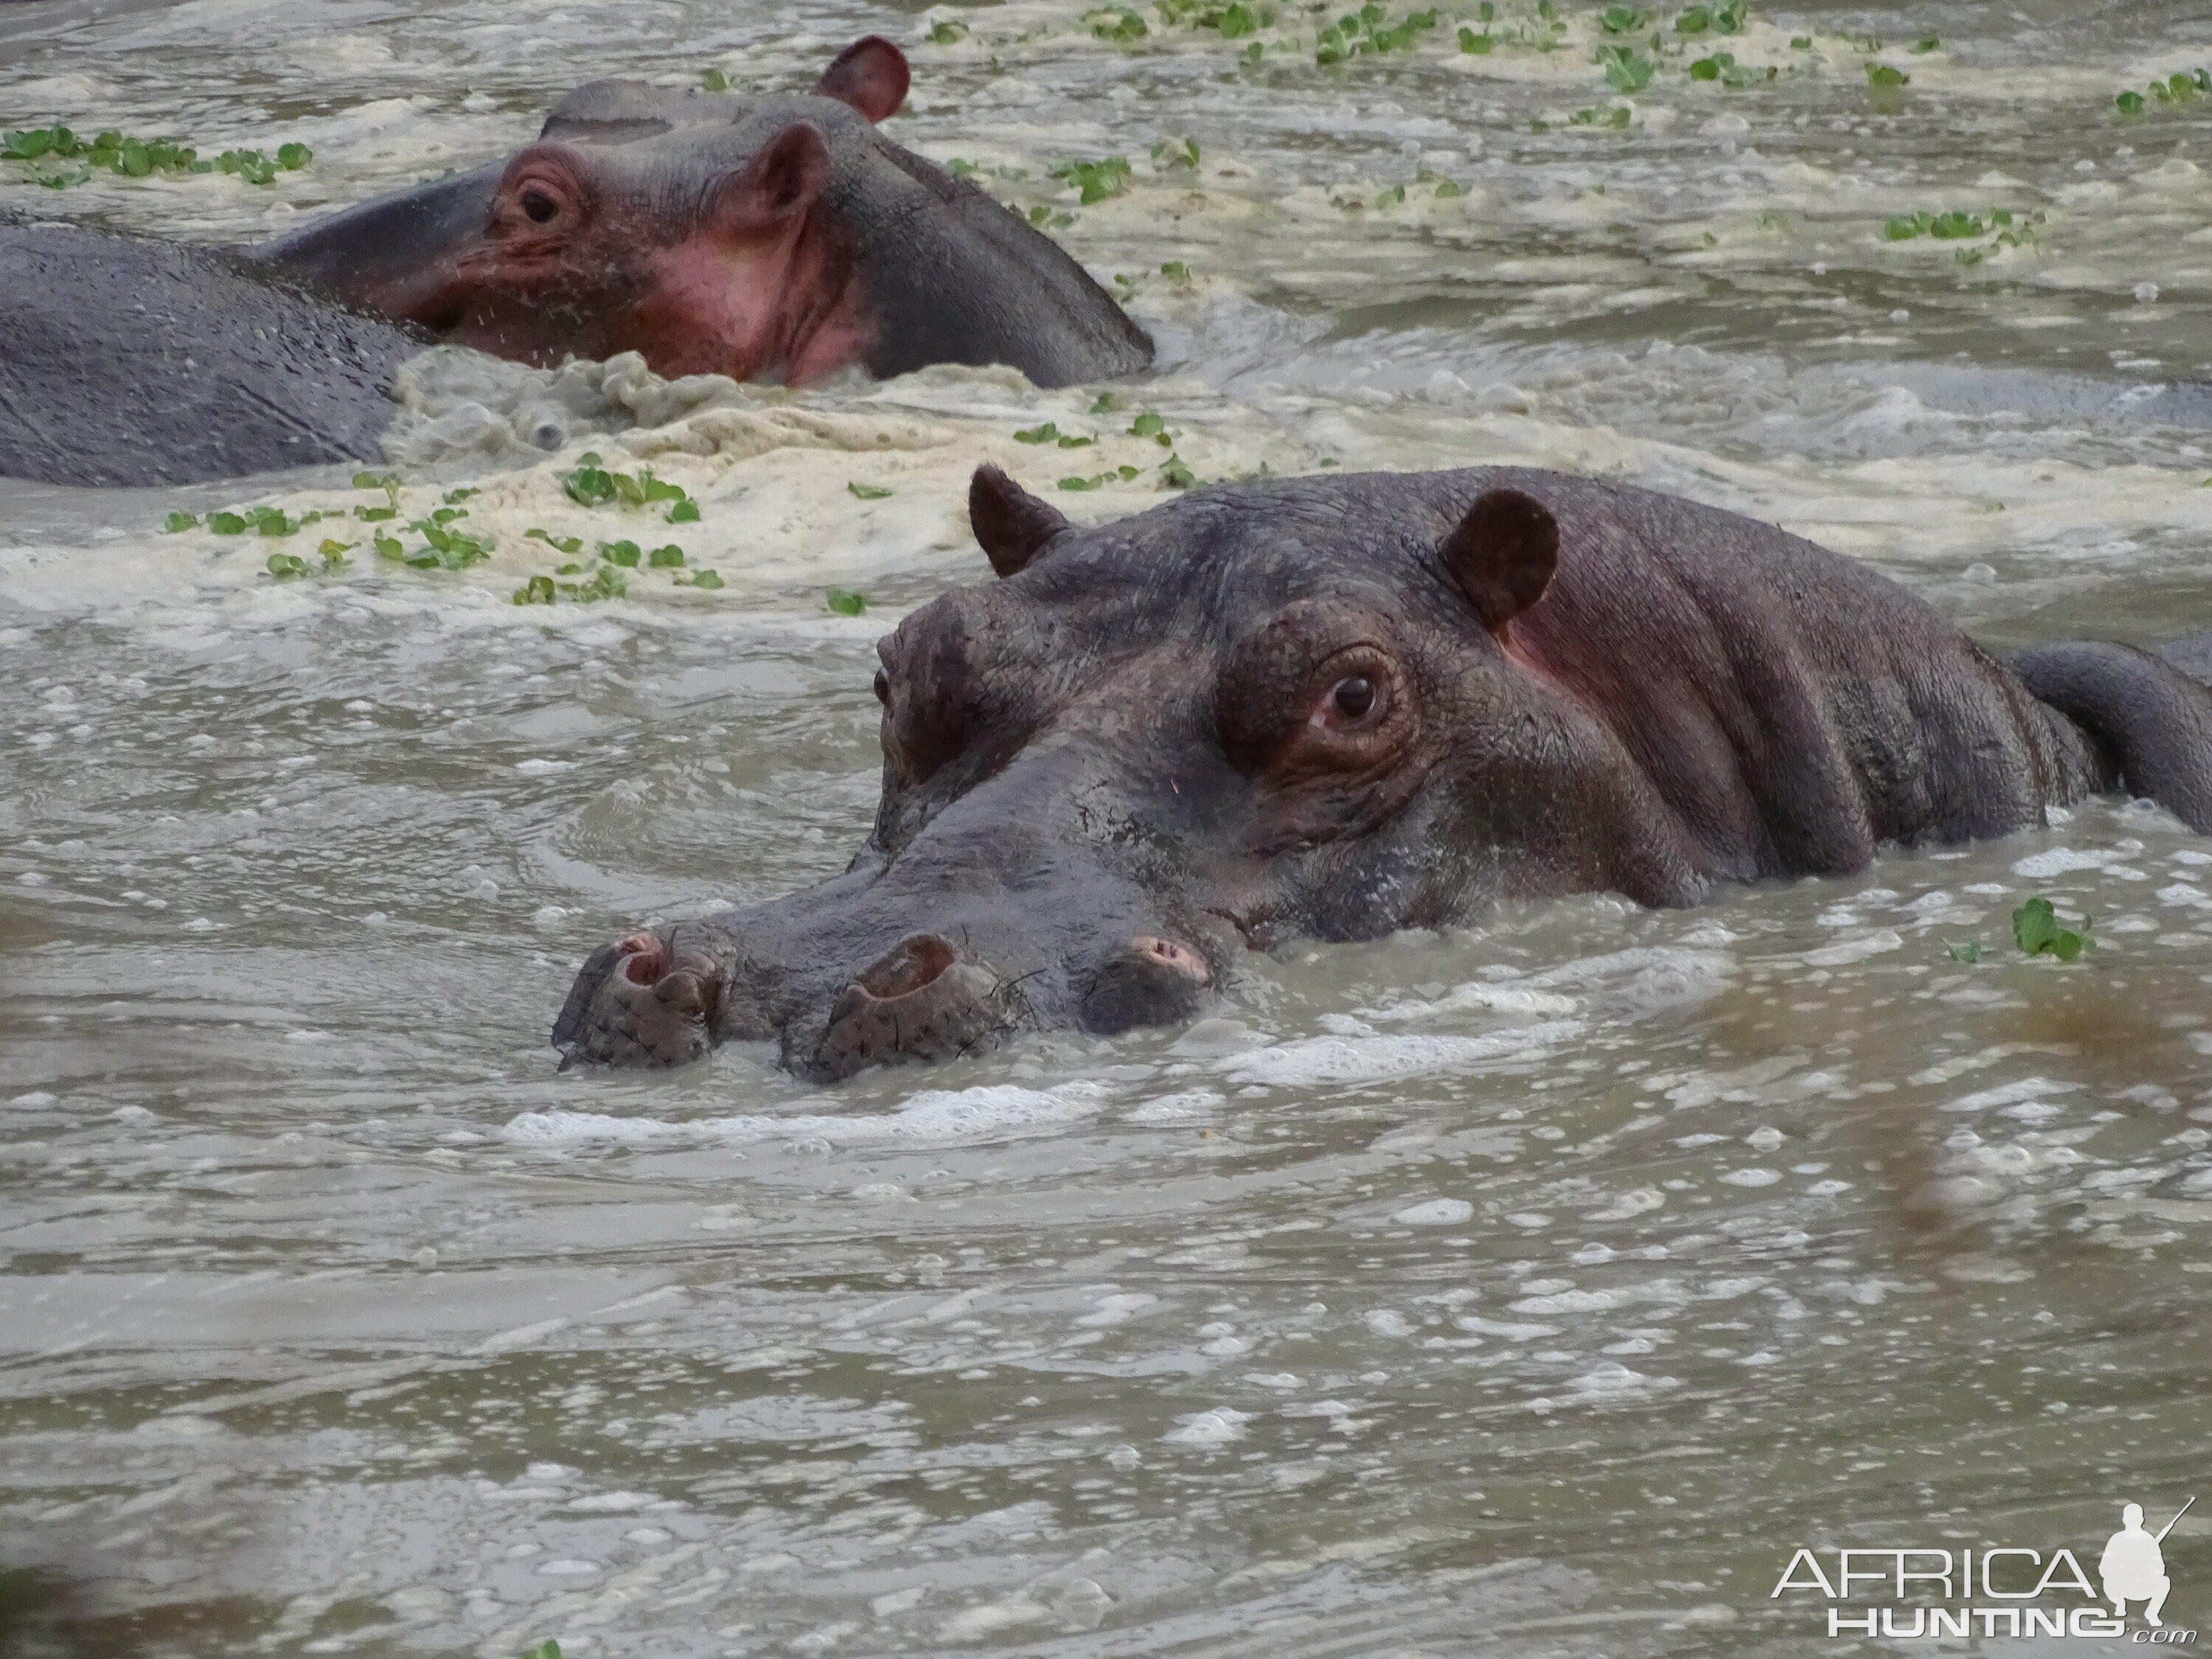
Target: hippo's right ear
[[1503, 554], [871, 75], [1012, 525], [783, 181]]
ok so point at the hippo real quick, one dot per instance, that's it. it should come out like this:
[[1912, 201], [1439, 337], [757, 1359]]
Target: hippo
[[772, 238], [1331, 708], [127, 360]]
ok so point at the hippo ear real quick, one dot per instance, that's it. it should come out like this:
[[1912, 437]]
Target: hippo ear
[[871, 75], [1503, 554], [782, 182], [1012, 525]]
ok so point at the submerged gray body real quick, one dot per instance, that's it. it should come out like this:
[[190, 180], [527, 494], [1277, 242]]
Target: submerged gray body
[[128, 360]]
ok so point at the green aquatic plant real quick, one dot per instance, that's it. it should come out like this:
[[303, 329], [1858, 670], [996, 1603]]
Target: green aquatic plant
[[1722, 67], [131, 157], [846, 602], [2035, 929], [945, 31], [1116, 23], [1153, 426], [1627, 70], [868, 492], [1099, 480], [2177, 88], [1174, 475], [1609, 115], [1623, 20], [1094, 181], [1882, 74], [1370, 30], [1171, 153]]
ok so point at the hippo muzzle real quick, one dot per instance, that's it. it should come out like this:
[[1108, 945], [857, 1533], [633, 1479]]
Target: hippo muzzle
[[666, 996]]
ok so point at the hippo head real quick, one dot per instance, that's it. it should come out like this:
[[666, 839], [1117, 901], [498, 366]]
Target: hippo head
[[689, 227], [1253, 713]]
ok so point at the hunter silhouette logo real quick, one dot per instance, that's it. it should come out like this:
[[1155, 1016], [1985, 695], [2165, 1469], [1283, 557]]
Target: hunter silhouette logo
[[2134, 1568], [1994, 1590]]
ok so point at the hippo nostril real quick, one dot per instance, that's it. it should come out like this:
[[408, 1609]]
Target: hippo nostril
[[641, 958], [1151, 982], [1168, 954], [683, 993], [911, 965]]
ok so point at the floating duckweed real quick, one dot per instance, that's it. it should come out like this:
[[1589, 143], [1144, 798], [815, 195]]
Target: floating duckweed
[[1627, 70], [841, 600], [2035, 929], [1171, 153], [1882, 74]]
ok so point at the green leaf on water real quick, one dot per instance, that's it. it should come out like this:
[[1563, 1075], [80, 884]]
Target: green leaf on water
[[1394, 194], [713, 81], [1081, 483], [2036, 930], [548, 1649], [663, 558], [177, 521], [334, 551], [453, 497], [538, 589], [1627, 70], [1104, 405], [292, 157], [846, 602], [1175, 476], [2130, 103], [945, 31], [703, 579], [1969, 950], [685, 511], [1038, 435], [1694, 19], [226, 524], [1171, 153], [1094, 181], [1928, 43], [1801, 42], [1474, 45], [387, 547], [564, 543], [1122, 24], [1882, 74], [1623, 20], [868, 492], [1176, 271], [589, 484], [624, 554], [285, 566], [1150, 425]]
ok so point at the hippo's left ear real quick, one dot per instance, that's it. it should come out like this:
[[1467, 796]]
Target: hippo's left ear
[[1503, 554], [871, 75], [1011, 526]]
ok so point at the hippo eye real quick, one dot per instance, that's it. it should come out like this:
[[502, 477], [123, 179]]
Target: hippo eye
[[1354, 697], [883, 688], [539, 206]]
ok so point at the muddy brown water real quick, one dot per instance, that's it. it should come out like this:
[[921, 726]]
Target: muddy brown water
[[1536, 1289]]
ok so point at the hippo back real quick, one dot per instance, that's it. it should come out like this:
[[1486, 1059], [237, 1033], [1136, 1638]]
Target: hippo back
[[128, 361]]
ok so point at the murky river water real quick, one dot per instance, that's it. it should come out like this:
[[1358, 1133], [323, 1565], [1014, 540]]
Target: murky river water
[[1531, 1290]]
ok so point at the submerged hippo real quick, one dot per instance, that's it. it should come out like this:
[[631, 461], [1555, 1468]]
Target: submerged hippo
[[124, 360], [1332, 708], [763, 238]]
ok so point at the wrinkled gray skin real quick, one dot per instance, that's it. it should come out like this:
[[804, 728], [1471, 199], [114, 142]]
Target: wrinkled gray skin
[[1332, 708], [127, 360], [761, 237]]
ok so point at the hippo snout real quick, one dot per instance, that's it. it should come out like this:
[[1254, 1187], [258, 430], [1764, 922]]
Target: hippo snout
[[653, 999], [922, 999]]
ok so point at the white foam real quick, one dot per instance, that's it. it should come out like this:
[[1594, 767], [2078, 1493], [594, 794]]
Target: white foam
[[931, 1115], [1310, 1061]]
